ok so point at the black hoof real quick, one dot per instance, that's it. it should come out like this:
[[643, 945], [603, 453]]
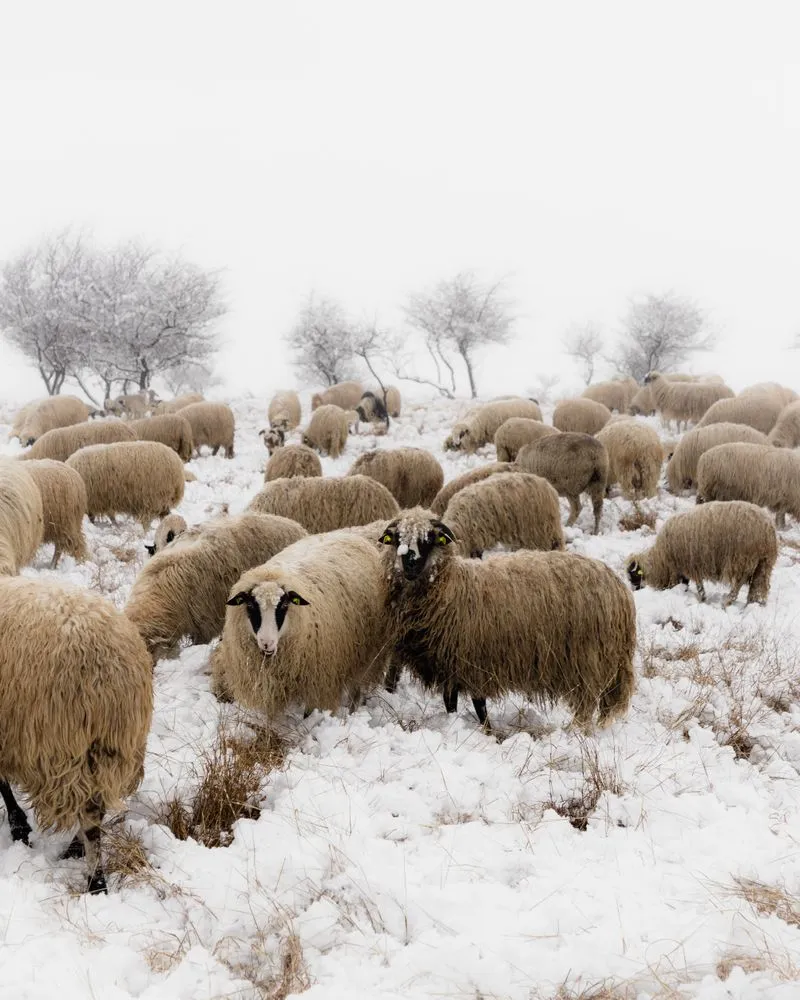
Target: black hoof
[[21, 831], [97, 884], [75, 849]]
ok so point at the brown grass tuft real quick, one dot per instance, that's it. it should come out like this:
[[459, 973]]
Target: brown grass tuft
[[769, 900], [597, 778], [638, 518]]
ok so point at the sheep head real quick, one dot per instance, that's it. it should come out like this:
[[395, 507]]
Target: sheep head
[[267, 605], [417, 540], [635, 572]]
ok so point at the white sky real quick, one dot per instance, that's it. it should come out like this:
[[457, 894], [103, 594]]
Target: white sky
[[591, 150]]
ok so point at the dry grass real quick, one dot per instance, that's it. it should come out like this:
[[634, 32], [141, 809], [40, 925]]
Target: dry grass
[[273, 980], [769, 900], [638, 518], [124, 554], [597, 778]]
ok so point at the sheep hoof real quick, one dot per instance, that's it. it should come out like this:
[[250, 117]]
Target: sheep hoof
[[21, 832], [97, 883], [75, 849], [450, 696], [479, 704]]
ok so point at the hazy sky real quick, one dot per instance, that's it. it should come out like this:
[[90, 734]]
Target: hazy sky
[[590, 150]]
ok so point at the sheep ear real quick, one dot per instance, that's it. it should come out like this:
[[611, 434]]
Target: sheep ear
[[241, 598], [151, 549], [295, 598], [262, 432]]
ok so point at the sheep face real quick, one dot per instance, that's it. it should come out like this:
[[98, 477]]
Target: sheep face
[[453, 442], [267, 606], [419, 543], [273, 438], [635, 573], [651, 377]]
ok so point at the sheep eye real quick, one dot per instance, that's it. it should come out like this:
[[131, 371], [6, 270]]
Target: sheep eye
[[295, 600], [388, 538], [442, 540]]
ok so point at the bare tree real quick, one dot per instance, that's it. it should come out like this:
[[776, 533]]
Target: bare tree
[[457, 318], [584, 343], [659, 332], [322, 342], [190, 376], [377, 348]]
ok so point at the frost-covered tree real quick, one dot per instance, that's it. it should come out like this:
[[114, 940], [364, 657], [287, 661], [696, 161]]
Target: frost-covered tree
[[658, 333], [322, 342], [584, 343]]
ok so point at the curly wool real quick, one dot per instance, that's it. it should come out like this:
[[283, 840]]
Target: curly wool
[[580, 416], [573, 464], [759, 474], [62, 442], [448, 491], [292, 460], [327, 430], [482, 424], [760, 412], [213, 425], [49, 413], [284, 410], [684, 402], [179, 403], [614, 395], [21, 517], [635, 457], [326, 504], [171, 429], [64, 505], [345, 395], [513, 434], [412, 475], [682, 467], [786, 432]]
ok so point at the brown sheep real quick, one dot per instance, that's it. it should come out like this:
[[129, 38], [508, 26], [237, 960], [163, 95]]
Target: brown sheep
[[756, 473], [61, 442], [581, 416], [212, 425], [758, 411], [682, 467], [786, 432], [21, 517], [171, 429], [284, 410], [480, 425], [445, 494], [326, 504], [327, 430], [515, 433], [293, 460], [345, 395], [49, 413], [615, 395], [64, 506], [684, 402], [635, 457], [412, 475]]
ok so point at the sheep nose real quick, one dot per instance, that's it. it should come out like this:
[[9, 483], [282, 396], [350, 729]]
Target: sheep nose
[[268, 648]]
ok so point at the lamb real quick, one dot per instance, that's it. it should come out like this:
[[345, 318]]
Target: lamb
[[730, 542], [371, 408], [179, 403], [75, 713], [47, 414], [284, 410], [308, 627], [64, 505], [61, 442], [171, 429], [515, 433], [481, 425], [684, 403], [581, 416], [573, 464], [447, 492], [273, 438], [21, 517], [326, 504], [682, 467], [293, 460], [345, 395], [635, 457], [615, 395], [460, 624], [784, 394], [141, 478], [758, 411], [181, 591], [759, 474], [212, 425], [412, 475], [327, 430], [515, 509], [170, 528], [786, 432]]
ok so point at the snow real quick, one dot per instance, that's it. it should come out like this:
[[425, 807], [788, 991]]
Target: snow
[[402, 853]]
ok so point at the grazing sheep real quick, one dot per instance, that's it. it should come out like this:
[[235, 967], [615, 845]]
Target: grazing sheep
[[447, 492], [141, 478], [616, 395], [47, 414], [326, 504], [757, 473], [75, 713], [212, 425], [682, 467], [411, 475], [573, 464], [515, 433], [308, 627], [169, 528], [786, 432], [481, 425], [345, 395], [783, 393], [179, 403], [731, 542], [393, 400], [181, 591], [64, 505], [684, 402], [21, 517], [643, 402], [327, 430], [171, 429], [371, 408], [284, 410], [293, 460], [273, 438], [22, 415], [635, 457], [758, 411], [581, 416], [62, 442], [550, 625], [134, 405], [515, 509]]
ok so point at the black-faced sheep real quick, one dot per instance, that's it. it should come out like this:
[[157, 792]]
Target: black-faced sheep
[[327, 430], [47, 414], [786, 432], [21, 517], [169, 528], [76, 709], [345, 395], [580, 416], [293, 460], [273, 438], [372, 409], [682, 466], [61, 442], [326, 504], [760, 412], [480, 425], [759, 474], [684, 402], [731, 542], [412, 475], [171, 429], [550, 625], [284, 410], [513, 434], [448, 491], [64, 506], [213, 425], [614, 395], [635, 457]]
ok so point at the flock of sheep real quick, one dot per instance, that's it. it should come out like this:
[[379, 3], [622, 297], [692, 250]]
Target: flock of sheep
[[326, 587]]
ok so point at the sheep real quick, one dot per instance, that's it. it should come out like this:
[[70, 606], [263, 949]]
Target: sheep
[[293, 460], [179, 403], [481, 425], [212, 425], [346, 395], [171, 429], [786, 432], [141, 478], [573, 464], [393, 401], [181, 591], [327, 430], [616, 395], [643, 402], [61, 442], [134, 405], [731, 542], [515, 509], [171, 527], [581, 416], [273, 438], [308, 627], [64, 505], [22, 415], [371, 408], [326, 504], [783, 393], [757, 473], [684, 403], [46, 415], [516, 432], [682, 467], [447, 492], [635, 457], [284, 410], [75, 713], [548, 624], [753, 410], [21, 517], [412, 475]]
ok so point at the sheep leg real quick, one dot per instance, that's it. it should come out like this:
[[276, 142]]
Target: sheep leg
[[90, 835], [215, 449], [758, 586], [701, 590], [780, 520], [76, 848], [479, 704], [450, 696], [731, 598], [17, 820], [356, 700], [56, 557], [392, 677], [574, 510], [597, 507]]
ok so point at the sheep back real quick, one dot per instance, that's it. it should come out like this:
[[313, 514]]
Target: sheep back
[[684, 402], [445, 494], [782, 392], [573, 464], [345, 395], [581, 416], [212, 424], [46, 415], [326, 504], [482, 424], [514, 433], [61, 442], [682, 467], [179, 403], [21, 518], [758, 411], [615, 395], [635, 457], [757, 473], [292, 460], [412, 475], [327, 430], [171, 429], [64, 506], [284, 409], [786, 432]]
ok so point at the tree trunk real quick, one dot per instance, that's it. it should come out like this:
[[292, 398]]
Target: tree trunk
[[470, 374], [86, 392], [144, 379]]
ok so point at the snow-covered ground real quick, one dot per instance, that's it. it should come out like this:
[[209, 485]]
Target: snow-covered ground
[[402, 853]]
